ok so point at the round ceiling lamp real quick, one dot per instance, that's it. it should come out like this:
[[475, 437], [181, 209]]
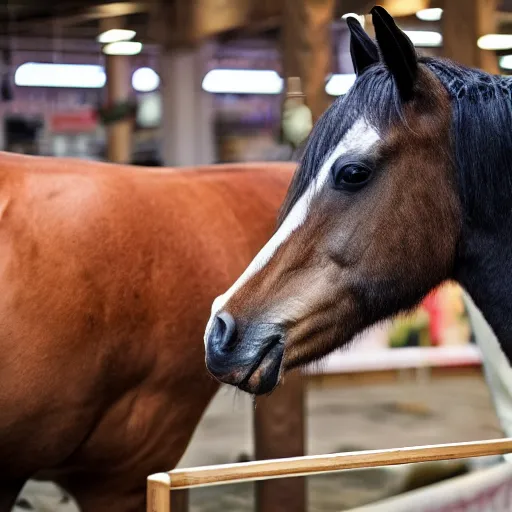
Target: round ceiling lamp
[[430, 14], [145, 80]]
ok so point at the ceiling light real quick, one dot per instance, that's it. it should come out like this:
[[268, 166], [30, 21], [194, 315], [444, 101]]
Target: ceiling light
[[243, 81], [360, 18], [340, 84], [424, 38], [145, 80], [495, 42], [116, 34], [41, 74], [432, 14], [123, 48], [506, 62]]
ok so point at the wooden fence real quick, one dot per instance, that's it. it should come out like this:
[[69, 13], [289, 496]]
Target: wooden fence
[[161, 485]]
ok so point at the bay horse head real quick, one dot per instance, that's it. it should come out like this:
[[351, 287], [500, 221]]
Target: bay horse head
[[377, 213]]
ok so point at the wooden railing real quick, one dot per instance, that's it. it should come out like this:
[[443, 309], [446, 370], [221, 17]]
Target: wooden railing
[[161, 485]]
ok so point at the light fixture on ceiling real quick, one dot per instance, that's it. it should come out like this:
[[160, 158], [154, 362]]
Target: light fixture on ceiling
[[506, 62], [495, 42], [359, 17], [339, 84], [123, 48], [432, 14], [242, 81], [43, 74], [424, 38], [116, 34], [145, 80]]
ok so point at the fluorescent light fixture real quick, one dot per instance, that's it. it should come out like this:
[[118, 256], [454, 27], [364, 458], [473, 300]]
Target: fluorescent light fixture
[[145, 80], [432, 14], [41, 74], [506, 62], [360, 18], [243, 81], [340, 84], [495, 42], [116, 34], [424, 38], [122, 48]]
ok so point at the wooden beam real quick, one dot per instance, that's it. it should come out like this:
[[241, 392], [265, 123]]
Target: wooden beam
[[322, 464], [464, 21], [404, 7], [119, 134], [216, 16], [307, 48], [394, 7], [68, 16], [185, 23]]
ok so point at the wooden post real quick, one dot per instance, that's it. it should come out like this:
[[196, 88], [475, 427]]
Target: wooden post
[[158, 498], [119, 134], [279, 431], [464, 21], [307, 48], [179, 500]]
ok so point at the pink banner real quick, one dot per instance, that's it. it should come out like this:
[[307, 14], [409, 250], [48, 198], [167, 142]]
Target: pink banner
[[486, 490]]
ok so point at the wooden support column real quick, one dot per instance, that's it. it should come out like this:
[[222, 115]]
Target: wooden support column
[[118, 70], [279, 431], [464, 21], [179, 500], [307, 48]]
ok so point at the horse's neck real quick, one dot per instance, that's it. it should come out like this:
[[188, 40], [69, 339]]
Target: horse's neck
[[485, 271]]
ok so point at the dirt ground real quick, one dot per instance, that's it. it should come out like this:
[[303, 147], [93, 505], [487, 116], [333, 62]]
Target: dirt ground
[[340, 418]]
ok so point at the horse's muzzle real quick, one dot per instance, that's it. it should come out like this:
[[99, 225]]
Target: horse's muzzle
[[249, 358]]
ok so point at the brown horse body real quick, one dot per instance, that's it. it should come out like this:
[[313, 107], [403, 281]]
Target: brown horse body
[[107, 276]]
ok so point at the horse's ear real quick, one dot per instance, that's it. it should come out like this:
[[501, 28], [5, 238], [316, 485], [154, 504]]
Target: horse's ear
[[363, 50], [397, 51]]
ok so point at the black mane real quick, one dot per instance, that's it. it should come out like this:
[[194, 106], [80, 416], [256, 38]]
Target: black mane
[[482, 139], [481, 130]]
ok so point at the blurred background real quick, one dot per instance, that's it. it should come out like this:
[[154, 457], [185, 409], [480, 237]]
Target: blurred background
[[199, 81], [191, 82]]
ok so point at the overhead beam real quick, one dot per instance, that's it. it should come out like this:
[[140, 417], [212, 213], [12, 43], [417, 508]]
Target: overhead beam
[[73, 15], [184, 23], [394, 7], [404, 7]]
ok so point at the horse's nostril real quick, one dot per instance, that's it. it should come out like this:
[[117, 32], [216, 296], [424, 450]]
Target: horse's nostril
[[224, 332]]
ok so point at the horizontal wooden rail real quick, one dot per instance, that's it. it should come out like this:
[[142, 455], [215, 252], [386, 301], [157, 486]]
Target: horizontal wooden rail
[[315, 464]]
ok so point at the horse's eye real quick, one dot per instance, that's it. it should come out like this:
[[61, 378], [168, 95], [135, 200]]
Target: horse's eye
[[350, 176]]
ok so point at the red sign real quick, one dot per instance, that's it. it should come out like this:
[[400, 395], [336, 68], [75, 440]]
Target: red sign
[[78, 121]]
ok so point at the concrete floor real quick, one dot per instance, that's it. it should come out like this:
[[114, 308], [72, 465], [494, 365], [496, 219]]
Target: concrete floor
[[340, 418]]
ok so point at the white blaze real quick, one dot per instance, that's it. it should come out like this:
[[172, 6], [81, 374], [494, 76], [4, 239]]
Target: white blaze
[[359, 139]]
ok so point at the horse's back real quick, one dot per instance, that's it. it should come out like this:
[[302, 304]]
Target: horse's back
[[68, 201]]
